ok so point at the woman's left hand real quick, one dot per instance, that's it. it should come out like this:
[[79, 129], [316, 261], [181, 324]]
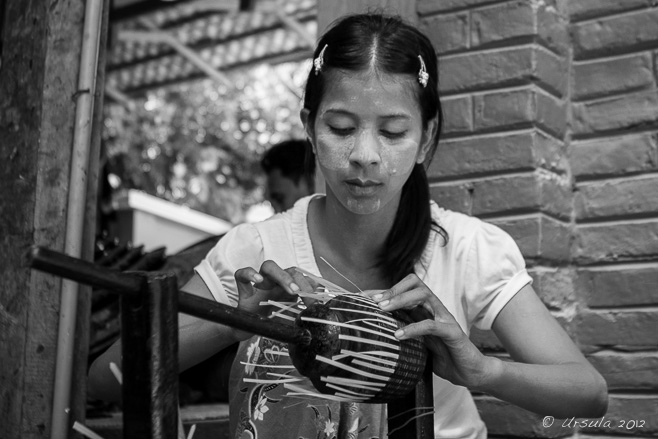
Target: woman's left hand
[[455, 357]]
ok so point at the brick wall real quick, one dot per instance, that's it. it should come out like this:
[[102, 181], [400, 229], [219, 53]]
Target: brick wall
[[551, 132]]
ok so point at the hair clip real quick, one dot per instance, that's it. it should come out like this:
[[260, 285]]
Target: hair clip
[[423, 76], [319, 61]]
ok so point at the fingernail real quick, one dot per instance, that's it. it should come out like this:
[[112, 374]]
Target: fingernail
[[294, 287], [399, 333], [377, 296], [258, 278], [384, 304]]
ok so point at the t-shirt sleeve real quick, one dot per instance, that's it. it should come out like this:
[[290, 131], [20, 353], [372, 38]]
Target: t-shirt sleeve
[[240, 247], [495, 272]]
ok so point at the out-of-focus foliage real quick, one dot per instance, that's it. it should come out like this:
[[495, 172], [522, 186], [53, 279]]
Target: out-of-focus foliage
[[199, 144]]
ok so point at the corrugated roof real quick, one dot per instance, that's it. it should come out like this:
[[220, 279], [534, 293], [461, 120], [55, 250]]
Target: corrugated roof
[[224, 40]]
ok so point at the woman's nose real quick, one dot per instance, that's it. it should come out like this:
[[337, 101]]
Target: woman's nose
[[366, 150]]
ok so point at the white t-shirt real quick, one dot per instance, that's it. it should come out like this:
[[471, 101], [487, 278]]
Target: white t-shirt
[[474, 275]]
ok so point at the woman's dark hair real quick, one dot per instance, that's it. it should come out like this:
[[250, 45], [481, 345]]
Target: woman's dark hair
[[389, 45]]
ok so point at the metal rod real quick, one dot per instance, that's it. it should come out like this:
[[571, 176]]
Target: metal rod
[[77, 191], [239, 319], [149, 344], [88, 273], [82, 271]]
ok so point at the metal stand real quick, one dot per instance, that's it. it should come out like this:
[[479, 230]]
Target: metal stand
[[150, 303], [419, 404], [149, 338]]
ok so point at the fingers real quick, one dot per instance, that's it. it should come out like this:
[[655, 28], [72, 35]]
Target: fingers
[[411, 293], [431, 317], [448, 332], [271, 276], [407, 294], [305, 284], [274, 276], [248, 275], [370, 293]]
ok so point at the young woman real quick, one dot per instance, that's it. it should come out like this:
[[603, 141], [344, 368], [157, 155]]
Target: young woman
[[373, 117]]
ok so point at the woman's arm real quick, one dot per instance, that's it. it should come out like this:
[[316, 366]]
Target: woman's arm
[[198, 340], [549, 374]]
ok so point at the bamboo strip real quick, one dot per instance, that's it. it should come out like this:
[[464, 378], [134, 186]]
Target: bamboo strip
[[347, 353], [346, 325], [344, 390], [373, 366], [322, 281], [279, 366], [352, 382], [351, 369], [378, 315], [277, 381], [368, 341], [83, 429]]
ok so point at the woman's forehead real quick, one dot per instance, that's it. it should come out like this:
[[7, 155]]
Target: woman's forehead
[[362, 89]]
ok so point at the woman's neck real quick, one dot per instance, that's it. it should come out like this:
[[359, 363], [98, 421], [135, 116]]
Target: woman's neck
[[351, 243]]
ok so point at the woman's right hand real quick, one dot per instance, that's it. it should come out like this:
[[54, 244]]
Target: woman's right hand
[[271, 282]]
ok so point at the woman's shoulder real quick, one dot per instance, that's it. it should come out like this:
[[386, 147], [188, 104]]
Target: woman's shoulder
[[455, 222], [463, 230]]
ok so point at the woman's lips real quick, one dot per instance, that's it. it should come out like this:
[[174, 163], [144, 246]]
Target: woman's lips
[[361, 187]]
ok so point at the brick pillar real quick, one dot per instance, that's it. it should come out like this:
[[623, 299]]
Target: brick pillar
[[614, 158], [551, 133], [504, 69]]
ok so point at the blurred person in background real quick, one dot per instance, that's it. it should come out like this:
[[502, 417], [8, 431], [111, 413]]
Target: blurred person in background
[[290, 174]]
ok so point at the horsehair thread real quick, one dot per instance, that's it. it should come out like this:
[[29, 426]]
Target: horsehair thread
[[411, 410], [327, 284], [429, 412], [340, 274]]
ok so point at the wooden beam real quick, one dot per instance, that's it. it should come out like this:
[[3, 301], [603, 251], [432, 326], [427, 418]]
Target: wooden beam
[[297, 27], [183, 50], [294, 56], [217, 5], [119, 97], [329, 10], [143, 7], [38, 81]]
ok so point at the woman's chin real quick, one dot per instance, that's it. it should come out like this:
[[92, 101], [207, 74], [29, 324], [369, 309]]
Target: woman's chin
[[363, 206]]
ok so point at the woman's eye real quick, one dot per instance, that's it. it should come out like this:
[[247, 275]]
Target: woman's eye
[[342, 131], [394, 134]]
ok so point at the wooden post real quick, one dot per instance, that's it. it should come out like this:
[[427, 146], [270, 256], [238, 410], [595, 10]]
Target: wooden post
[[40, 62], [41, 43]]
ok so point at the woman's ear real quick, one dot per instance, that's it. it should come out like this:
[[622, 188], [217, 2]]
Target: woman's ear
[[426, 141], [308, 127]]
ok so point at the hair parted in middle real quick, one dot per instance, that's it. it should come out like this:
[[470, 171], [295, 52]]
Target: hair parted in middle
[[387, 44]]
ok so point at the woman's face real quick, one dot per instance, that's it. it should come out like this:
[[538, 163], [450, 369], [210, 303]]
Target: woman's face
[[367, 136]]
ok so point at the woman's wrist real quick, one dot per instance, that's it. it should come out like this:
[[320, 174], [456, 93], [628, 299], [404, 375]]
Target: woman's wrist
[[492, 373]]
